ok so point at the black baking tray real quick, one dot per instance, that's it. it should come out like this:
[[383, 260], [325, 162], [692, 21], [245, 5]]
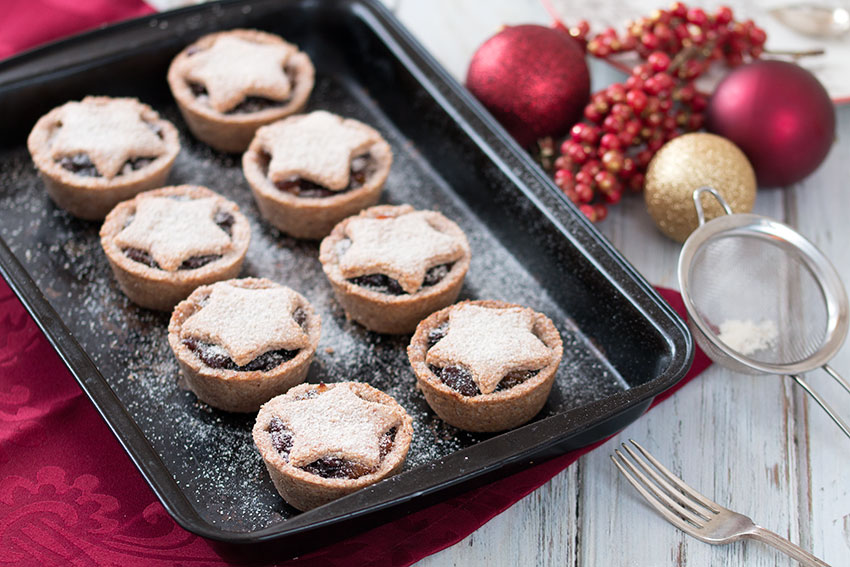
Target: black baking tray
[[623, 344]]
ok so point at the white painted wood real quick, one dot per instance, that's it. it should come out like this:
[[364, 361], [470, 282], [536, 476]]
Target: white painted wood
[[755, 444]]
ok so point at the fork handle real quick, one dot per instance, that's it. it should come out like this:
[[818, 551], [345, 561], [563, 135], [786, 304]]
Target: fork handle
[[778, 542]]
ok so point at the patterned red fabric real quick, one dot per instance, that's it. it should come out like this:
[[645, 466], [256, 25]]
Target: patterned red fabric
[[69, 494]]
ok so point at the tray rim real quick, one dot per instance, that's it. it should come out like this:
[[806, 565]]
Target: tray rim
[[439, 85]]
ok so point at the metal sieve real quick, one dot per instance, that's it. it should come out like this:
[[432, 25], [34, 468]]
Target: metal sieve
[[745, 267]]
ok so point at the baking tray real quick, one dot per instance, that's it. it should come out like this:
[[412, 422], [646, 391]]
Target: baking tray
[[623, 344]]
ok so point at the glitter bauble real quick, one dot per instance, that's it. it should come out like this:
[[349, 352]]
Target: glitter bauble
[[687, 163], [533, 79], [779, 115]]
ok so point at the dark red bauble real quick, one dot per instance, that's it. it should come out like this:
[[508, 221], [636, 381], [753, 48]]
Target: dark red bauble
[[533, 79], [779, 115]]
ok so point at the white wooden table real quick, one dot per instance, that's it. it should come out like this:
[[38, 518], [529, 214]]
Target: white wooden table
[[754, 444]]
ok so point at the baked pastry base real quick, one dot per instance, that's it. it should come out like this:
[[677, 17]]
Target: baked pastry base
[[231, 390], [233, 132], [492, 412], [304, 490], [159, 289], [385, 313]]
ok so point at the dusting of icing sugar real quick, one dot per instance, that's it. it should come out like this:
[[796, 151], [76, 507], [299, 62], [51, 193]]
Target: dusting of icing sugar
[[336, 423], [490, 343], [748, 337], [247, 322], [173, 231], [108, 131], [316, 146]]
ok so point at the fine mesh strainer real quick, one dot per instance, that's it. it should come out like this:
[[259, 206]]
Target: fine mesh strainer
[[745, 267]]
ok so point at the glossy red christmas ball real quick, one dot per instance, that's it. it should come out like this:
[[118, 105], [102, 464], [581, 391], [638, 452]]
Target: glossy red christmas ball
[[779, 115], [533, 79]]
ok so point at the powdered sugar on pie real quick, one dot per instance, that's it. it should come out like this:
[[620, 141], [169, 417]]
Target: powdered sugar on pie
[[337, 423], [234, 68], [109, 131], [318, 147], [172, 230], [490, 343], [402, 247], [248, 322]]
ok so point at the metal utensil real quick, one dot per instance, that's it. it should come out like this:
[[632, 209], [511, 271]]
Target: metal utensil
[[750, 267], [692, 512], [814, 19]]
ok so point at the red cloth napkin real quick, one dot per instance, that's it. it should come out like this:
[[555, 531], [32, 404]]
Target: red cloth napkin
[[69, 494]]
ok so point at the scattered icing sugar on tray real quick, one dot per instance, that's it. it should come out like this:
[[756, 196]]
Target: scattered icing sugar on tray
[[210, 453]]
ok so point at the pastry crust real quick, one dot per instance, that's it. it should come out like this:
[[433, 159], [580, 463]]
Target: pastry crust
[[313, 217], [492, 412], [233, 390], [154, 288], [233, 132], [381, 312], [304, 490], [91, 198]]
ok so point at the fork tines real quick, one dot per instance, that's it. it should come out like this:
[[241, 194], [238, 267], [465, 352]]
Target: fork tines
[[679, 503]]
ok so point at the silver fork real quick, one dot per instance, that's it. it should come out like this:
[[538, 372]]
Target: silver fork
[[692, 512]]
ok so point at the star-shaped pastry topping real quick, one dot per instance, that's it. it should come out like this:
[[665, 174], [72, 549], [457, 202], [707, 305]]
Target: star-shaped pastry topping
[[490, 343], [233, 68], [110, 132], [404, 248], [172, 231], [248, 322], [317, 147], [337, 423]]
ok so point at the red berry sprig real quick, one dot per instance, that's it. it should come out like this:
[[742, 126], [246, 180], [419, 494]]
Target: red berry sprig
[[627, 123]]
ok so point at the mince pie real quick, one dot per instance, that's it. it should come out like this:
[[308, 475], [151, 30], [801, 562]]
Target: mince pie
[[100, 151], [390, 266], [241, 342], [228, 84], [323, 441], [164, 243], [486, 365], [309, 172]]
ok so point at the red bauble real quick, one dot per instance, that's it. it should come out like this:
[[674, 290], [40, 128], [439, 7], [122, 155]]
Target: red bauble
[[533, 79], [779, 115]]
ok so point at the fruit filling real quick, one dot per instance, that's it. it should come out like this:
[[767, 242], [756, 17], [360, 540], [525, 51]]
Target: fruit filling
[[216, 357], [361, 169], [225, 222], [81, 164], [385, 284], [250, 103], [459, 379], [327, 467]]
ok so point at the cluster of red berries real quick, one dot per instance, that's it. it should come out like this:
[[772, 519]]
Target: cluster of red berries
[[627, 123]]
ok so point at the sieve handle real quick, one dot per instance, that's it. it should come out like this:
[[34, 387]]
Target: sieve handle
[[821, 402], [698, 202]]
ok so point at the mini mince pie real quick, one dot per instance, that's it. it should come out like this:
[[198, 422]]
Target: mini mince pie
[[95, 153], [390, 266], [228, 84], [309, 172], [164, 243], [241, 342], [323, 441], [486, 365]]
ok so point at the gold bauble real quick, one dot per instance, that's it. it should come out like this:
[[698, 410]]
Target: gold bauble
[[687, 163]]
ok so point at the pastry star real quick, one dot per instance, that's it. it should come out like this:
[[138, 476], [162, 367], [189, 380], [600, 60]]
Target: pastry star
[[338, 424], [108, 133], [490, 343], [233, 68], [172, 231], [403, 248], [317, 147], [248, 322]]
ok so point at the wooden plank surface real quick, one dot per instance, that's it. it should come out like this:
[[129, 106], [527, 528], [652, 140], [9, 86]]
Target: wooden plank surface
[[753, 443]]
